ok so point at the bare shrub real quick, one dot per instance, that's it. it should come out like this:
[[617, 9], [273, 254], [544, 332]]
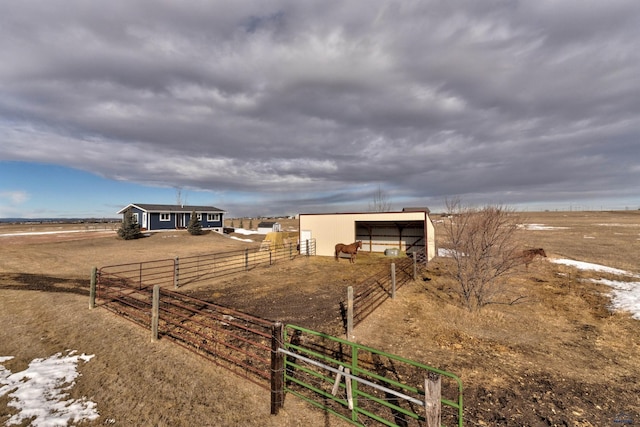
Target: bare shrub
[[484, 247]]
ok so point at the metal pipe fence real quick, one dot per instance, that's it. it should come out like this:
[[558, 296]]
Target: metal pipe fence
[[351, 381], [178, 271], [363, 385], [370, 293]]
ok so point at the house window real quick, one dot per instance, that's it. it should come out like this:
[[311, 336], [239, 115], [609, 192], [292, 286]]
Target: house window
[[199, 216], [213, 217], [135, 217], [165, 217]]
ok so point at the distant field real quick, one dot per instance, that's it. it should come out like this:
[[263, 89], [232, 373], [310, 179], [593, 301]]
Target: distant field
[[562, 357]]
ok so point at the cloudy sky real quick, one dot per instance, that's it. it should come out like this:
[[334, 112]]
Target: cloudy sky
[[283, 107]]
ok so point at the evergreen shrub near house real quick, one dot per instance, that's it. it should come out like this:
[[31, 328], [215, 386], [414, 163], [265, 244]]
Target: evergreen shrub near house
[[195, 226], [130, 229]]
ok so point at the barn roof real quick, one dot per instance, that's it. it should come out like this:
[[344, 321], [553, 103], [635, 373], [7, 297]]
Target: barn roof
[[170, 208]]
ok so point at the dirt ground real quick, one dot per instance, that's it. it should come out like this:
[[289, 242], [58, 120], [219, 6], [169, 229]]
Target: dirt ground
[[561, 357]]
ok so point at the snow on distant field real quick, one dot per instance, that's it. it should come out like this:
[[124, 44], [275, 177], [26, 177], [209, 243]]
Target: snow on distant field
[[539, 227], [245, 232], [39, 393], [42, 233], [242, 240]]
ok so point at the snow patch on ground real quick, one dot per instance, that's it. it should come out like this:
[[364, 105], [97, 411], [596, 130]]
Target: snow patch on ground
[[624, 295], [40, 393]]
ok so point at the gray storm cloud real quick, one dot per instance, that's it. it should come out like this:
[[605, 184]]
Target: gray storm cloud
[[318, 103]]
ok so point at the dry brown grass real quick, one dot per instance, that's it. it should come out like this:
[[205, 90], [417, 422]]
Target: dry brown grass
[[560, 358]]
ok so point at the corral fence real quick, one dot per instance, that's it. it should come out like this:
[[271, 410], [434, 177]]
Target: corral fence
[[178, 271], [232, 339], [364, 297], [363, 385], [358, 384]]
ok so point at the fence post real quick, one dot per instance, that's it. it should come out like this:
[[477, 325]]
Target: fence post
[[246, 259], [277, 368], [155, 312], [393, 280], [432, 396], [415, 267], [92, 289], [270, 261], [308, 247], [176, 272], [349, 312]]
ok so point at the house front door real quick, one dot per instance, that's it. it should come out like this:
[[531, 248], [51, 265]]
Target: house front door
[[181, 220]]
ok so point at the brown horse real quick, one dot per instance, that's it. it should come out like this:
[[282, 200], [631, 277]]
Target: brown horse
[[351, 249], [529, 254]]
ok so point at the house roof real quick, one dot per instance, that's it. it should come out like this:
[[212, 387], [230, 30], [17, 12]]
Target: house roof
[[170, 208], [267, 224], [416, 209]]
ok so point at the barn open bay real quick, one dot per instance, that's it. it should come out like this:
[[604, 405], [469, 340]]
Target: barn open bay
[[562, 357]]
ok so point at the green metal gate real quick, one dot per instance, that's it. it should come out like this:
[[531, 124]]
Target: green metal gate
[[360, 384]]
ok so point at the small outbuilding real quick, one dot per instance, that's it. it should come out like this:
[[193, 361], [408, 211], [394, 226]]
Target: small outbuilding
[[268, 227], [153, 217], [410, 231]]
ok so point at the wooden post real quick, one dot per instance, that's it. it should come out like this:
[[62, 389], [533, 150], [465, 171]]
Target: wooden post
[[415, 267], [432, 396], [270, 260], [155, 312], [393, 280], [336, 383], [349, 312], [92, 288], [348, 383], [176, 272], [277, 368], [308, 253]]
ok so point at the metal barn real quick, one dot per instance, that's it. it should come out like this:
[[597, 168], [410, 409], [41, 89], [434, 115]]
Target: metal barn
[[410, 230]]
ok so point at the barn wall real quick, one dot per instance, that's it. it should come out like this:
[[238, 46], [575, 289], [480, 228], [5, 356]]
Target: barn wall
[[431, 239], [328, 230]]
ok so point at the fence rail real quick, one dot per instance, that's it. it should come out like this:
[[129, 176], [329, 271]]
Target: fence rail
[[362, 385], [235, 340], [178, 272], [356, 383], [371, 292]]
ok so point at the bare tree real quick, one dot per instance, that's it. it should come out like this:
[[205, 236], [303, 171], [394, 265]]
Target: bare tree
[[484, 247], [380, 202]]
